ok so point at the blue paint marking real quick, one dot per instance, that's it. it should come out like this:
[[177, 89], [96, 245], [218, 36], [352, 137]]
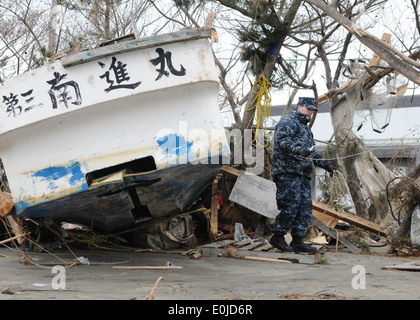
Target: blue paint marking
[[73, 172], [173, 144], [176, 145]]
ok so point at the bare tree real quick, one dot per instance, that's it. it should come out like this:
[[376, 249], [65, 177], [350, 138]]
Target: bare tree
[[275, 29], [21, 33], [363, 170], [24, 44], [396, 59]]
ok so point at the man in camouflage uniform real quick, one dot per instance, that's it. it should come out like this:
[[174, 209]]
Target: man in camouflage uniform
[[293, 158]]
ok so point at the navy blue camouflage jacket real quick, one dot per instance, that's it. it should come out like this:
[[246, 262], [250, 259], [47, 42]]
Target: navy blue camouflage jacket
[[291, 134]]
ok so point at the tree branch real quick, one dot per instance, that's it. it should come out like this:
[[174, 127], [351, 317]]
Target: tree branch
[[393, 57], [271, 61]]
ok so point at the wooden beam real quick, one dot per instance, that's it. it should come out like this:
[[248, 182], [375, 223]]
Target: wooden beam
[[230, 172], [6, 204], [333, 233], [214, 214], [329, 221], [147, 267], [264, 259], [350, 218]]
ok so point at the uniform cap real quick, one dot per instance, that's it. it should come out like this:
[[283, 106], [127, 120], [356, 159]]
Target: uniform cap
[[310, 103]]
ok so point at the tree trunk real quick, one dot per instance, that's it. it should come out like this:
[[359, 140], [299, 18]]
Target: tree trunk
[[407, 193], [52, 27], [367, 177], [249, 113], [359, 202]]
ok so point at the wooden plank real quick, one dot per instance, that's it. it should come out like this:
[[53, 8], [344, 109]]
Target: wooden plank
[[230, 172], [264, 259], [212, 251], [333, 233], [252, 246], [329, 221], [6, 204], [233, 214], [220, 244], [240, 244], [214, 215], [275, 254], [265, 247], [147, 267], [411, 266], [350, 218], [256, 194]]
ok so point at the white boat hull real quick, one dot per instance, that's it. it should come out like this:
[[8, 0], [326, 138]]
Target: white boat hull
[[57, 147]]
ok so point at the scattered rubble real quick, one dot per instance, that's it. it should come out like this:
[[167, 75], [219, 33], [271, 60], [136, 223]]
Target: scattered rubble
[[233, 218]]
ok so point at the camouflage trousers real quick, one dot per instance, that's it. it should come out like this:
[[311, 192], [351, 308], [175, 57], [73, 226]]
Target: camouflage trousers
[[294, 200]]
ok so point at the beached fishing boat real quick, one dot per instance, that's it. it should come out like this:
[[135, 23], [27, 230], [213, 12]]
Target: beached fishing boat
[[115, 135]]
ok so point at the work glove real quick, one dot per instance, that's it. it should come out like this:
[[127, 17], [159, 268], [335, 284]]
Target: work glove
[[304, 152], [330, 168]]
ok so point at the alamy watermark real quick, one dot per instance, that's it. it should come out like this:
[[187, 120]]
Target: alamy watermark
[[58, 282], [218, 146], [359, 280]]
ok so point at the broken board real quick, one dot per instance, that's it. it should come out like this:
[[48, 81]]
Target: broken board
[[6, 204], [256, 249], [413, 266], [350, 218], [256, 194], [259, 195], [333, 233]]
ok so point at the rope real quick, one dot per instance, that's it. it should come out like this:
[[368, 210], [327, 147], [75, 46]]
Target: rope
[[338, 188], [262, 105], [94, 240]]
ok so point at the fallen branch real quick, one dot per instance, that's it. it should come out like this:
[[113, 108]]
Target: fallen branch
[[14, 238], [25, 260], [150, 296], [16, 228], [146, 267]]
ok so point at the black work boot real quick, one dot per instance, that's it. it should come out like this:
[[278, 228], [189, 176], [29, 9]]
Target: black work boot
[[278, 242], [298, 245]]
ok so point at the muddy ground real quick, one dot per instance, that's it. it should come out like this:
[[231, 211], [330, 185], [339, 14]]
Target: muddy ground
[[341, 275]]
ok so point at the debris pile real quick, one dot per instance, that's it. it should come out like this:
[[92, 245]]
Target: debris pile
[[251, 201], [233, 217]]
